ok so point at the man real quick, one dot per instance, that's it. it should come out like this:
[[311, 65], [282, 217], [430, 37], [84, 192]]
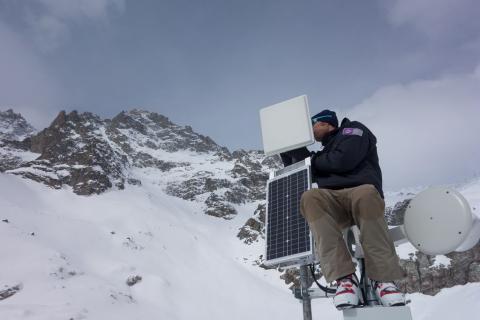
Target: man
[[349, 192]]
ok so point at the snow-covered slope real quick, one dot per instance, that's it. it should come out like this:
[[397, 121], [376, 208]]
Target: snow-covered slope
[[147, 242], [73, 255], [93, 155]]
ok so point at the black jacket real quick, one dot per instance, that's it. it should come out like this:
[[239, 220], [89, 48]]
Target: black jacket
[[349, 158]]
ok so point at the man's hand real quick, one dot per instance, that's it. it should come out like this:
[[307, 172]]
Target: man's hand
[[294, 156]]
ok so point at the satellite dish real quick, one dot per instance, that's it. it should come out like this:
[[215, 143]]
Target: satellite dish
[[439, 220]]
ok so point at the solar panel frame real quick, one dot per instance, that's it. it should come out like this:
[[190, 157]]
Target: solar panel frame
[[301, 257]]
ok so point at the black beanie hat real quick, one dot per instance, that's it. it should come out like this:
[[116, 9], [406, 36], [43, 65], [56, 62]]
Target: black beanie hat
[[326, 116]]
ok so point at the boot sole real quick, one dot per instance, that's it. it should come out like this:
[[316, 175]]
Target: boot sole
[[346, 306], [399, 304]]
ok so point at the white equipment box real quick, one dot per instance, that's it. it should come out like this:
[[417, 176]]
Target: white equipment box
[[377, 313]]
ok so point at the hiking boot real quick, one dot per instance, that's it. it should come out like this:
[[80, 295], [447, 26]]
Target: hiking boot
[[388, 294], [348, 293]]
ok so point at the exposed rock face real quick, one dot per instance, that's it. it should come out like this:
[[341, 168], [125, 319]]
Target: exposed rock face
[[292, 277], [138, 129], [10, 291], [423, 275], [92, 155], [73, 151], [252, 169], [396, 214], [245, 182], [254, 228], [14, 154], [201, 182], [14, 142], [14, 127], [217, 207], [133, 280]]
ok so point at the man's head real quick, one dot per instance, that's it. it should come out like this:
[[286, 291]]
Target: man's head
[[323, 123]]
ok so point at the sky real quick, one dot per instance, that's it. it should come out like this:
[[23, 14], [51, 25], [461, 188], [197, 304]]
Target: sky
[[408, 69]]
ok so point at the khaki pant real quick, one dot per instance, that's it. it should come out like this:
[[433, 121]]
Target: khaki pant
[[328, 212]]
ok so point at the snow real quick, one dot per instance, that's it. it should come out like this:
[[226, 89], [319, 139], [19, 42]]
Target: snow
[[441, 261], [459, 302], [78, 166], [405, 250], [73, 254], [192, 265], [24, 156]]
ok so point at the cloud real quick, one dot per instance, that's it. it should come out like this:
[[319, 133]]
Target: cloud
[[427, 131], [441, 21], [25, 84], [74, 9], [50, 20]]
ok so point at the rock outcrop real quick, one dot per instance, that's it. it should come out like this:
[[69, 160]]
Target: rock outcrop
[[13, 126], [74, 151], [92, 155], [426, 275], [254, 228], [14, 143]]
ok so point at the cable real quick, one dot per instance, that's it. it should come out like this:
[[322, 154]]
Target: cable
[[362, 278], [325, 289]]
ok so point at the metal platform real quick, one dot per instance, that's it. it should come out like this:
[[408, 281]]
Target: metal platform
[[378, 312]]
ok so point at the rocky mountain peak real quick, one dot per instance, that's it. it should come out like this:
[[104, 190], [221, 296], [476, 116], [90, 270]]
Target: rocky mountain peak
[[13, 126], [155, 131], [92, 155], [74, 151], [67, 131]]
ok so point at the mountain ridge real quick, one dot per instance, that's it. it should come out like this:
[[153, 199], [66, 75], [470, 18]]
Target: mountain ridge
[[93, 156]]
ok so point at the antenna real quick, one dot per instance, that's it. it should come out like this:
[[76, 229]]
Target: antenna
[[286, 126], [439, 220]]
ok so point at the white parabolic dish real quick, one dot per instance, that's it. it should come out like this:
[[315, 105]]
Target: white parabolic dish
[[438, 220]]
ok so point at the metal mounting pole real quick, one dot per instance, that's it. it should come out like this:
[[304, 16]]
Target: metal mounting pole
[[307, 305]]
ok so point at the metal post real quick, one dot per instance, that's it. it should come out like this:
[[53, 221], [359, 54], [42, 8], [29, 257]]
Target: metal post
[[366, 286], [307, 306]]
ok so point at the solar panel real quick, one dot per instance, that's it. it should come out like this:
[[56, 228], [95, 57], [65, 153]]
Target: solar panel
[[288, 238]]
